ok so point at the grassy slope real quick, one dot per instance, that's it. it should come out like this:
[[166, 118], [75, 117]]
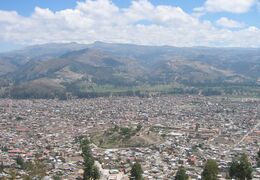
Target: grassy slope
[[129, 137]]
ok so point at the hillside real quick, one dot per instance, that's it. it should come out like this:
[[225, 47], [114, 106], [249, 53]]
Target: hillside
[[78, 69], [122, 137]]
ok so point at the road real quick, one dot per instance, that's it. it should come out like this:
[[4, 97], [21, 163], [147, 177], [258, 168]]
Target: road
[[244, 137]]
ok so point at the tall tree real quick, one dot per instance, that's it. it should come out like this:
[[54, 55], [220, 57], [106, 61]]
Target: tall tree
[[258, 158], [181, 174], [95, 173], [20, 161], [56, 177], [210, 171], [88, 167], [1, 167], [90, 170], [241, 168], [136, 172]]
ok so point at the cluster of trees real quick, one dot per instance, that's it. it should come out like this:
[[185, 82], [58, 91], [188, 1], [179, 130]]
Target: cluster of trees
[[211, 92], [136, 172], [240, 168], [210, 171], [93, 94], [91, 171], [181, 174], [258, 158], [124, 132], [35, 91], [45, 91]]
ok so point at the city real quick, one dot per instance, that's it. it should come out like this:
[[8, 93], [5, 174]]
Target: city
[[129, 90], [192, 129]]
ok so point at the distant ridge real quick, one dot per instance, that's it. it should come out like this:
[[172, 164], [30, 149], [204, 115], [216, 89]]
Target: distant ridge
[[59, 66]]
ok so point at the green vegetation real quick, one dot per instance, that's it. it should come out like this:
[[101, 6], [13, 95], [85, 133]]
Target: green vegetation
[[35, 170], [181, 174], [91, 172], [95, 173], [210, 171], [136, 172], [211, 92], [41, 89], [1, 167], [56, 177], [117, 137], [20, 161], [87, 72], [258, 158], [241, 168], [84, 89]]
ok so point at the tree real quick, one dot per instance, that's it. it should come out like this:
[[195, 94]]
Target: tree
[[136, 172], [210, 171], [2, 167], [88, 167], [95, 173], [56, 177], [139, 127], [181, 174], [4, 148], [20, 161], [241, 168], [258, 158], [90, 170], [35, 170], [233, 169]]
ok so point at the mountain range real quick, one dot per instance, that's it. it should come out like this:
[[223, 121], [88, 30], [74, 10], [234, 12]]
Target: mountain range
[[55, 69]]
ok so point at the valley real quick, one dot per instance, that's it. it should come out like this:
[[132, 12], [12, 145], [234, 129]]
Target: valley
[[103, 69]]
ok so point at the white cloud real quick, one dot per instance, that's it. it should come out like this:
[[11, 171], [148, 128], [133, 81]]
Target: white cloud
[[229, 23], [140, 23], [232, 6]]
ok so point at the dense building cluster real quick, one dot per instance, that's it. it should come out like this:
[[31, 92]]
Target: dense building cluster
[[193, 129]]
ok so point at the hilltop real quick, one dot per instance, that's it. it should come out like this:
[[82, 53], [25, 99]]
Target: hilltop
[[122, 137], [90, 70]]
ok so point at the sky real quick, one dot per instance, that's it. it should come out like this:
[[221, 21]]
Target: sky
[[182, 23]]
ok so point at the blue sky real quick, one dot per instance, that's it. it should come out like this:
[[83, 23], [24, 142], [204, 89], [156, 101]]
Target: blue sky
[[217, 21], [26, 7]]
